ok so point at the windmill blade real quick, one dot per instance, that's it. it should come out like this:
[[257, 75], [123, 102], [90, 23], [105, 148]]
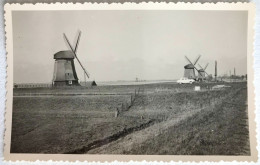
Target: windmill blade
[[196, 60], [75, 55], [188, 60], [206, 66], [206, 72], [200, 66], [198, 71], [76, 46], [87, 73]]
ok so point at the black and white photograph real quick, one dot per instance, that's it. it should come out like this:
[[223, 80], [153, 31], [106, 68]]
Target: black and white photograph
[[131, 82]]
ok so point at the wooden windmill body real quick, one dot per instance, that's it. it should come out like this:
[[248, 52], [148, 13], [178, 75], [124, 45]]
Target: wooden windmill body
[[202, 72], [189, 71], [64, 68]]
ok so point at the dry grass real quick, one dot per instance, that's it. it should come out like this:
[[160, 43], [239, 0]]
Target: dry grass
[[60, 124], [221, 130], [63, 124]]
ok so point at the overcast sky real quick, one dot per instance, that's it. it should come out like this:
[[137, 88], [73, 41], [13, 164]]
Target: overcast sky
[[122, 45]]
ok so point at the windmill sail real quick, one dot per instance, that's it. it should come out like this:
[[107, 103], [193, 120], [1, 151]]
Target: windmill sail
[[188, 60], [196, 60], [206, 66], [76, 46], [75, 55], [200, 66]]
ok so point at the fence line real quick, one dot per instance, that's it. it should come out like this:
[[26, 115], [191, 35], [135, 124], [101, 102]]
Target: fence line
[[125, 106], [66, 94]]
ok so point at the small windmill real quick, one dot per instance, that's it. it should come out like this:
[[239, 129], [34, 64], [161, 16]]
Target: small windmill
[[202, 72], [189, 69], [64, 68]]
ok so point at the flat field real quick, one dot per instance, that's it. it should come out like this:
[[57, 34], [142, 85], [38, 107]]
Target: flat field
[[163, 118]]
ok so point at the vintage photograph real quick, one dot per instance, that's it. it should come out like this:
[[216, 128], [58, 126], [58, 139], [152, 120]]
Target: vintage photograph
[[131, 82]]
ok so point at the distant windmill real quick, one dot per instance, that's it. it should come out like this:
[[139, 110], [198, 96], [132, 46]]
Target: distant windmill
[[189, 69], [202, 72], [64, 68]]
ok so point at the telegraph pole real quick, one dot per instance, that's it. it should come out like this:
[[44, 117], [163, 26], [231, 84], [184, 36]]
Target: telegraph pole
[[216, 71]]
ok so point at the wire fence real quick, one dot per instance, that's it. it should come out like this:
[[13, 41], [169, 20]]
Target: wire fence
[[125, 106]]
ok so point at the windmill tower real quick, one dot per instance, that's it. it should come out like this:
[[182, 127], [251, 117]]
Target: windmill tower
[[189, 69], [64, 68], [202, 72]]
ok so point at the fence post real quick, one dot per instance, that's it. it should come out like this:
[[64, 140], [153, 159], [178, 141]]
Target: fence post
[[122, 107], [116, 113], [126, 106]]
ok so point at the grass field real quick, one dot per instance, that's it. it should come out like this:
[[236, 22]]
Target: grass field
[[165, 118]]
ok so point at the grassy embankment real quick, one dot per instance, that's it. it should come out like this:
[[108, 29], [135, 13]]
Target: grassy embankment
[[220, 128]]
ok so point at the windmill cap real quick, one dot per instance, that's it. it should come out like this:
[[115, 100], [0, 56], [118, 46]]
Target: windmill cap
[[189, 66], [66, 54]]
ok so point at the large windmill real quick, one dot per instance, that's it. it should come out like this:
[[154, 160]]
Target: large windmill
[[189, 69], [64, 68], [202, 72]]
